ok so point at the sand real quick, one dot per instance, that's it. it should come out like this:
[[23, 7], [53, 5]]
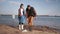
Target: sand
[[5, 29]]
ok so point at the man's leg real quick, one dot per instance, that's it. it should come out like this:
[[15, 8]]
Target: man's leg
[[30, 21]]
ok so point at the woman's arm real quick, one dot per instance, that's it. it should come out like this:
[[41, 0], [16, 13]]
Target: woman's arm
[[19, 12]]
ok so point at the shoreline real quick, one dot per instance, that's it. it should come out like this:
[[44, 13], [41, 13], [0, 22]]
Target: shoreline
[[41, 28], [36, 29]]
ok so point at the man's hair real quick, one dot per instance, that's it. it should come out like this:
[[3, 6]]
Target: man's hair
[[28, 5]]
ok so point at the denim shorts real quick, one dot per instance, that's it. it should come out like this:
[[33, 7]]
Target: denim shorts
[[22, 19]]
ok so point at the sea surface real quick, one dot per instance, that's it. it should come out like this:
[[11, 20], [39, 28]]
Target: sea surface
[[51, 21]]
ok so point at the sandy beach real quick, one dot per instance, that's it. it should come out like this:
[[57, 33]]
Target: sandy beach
[[5, 29]]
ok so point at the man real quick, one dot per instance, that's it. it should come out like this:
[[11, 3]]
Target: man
[[30, 12]]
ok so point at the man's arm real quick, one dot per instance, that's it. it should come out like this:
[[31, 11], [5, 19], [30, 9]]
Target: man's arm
[[35, 12]]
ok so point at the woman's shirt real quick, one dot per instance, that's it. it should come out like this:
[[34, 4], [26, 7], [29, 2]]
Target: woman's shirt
[[20, 12]]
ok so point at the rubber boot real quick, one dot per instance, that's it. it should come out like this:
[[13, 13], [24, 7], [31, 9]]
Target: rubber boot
[[19, 27]]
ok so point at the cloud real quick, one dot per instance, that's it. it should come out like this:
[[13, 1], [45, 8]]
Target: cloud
[[14, 3], [1, 7], [47, 0], [56, 0], [2, 0]]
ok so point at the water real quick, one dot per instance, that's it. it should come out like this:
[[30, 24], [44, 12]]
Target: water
[[39, 20], [48, 21]]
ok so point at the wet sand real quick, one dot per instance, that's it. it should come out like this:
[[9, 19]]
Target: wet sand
[[6, 29]]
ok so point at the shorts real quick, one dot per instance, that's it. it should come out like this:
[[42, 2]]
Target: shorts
[[21, 19]]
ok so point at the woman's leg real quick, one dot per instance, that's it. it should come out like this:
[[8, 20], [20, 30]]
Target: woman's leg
[[19, 22], [23, 21]]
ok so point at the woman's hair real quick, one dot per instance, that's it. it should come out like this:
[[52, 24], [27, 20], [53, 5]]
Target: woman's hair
[[21, 5]]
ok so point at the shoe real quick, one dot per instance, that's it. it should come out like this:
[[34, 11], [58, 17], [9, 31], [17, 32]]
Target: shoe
[[30, 28], [25, 30]]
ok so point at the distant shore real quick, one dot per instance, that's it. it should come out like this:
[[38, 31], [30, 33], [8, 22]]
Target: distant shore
[[37, 15]]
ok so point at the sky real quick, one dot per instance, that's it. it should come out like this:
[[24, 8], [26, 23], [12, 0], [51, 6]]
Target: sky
[[42, 7]]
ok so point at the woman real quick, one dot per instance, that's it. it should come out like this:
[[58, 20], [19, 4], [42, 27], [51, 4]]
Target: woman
[[21, 17], [30, 16]]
